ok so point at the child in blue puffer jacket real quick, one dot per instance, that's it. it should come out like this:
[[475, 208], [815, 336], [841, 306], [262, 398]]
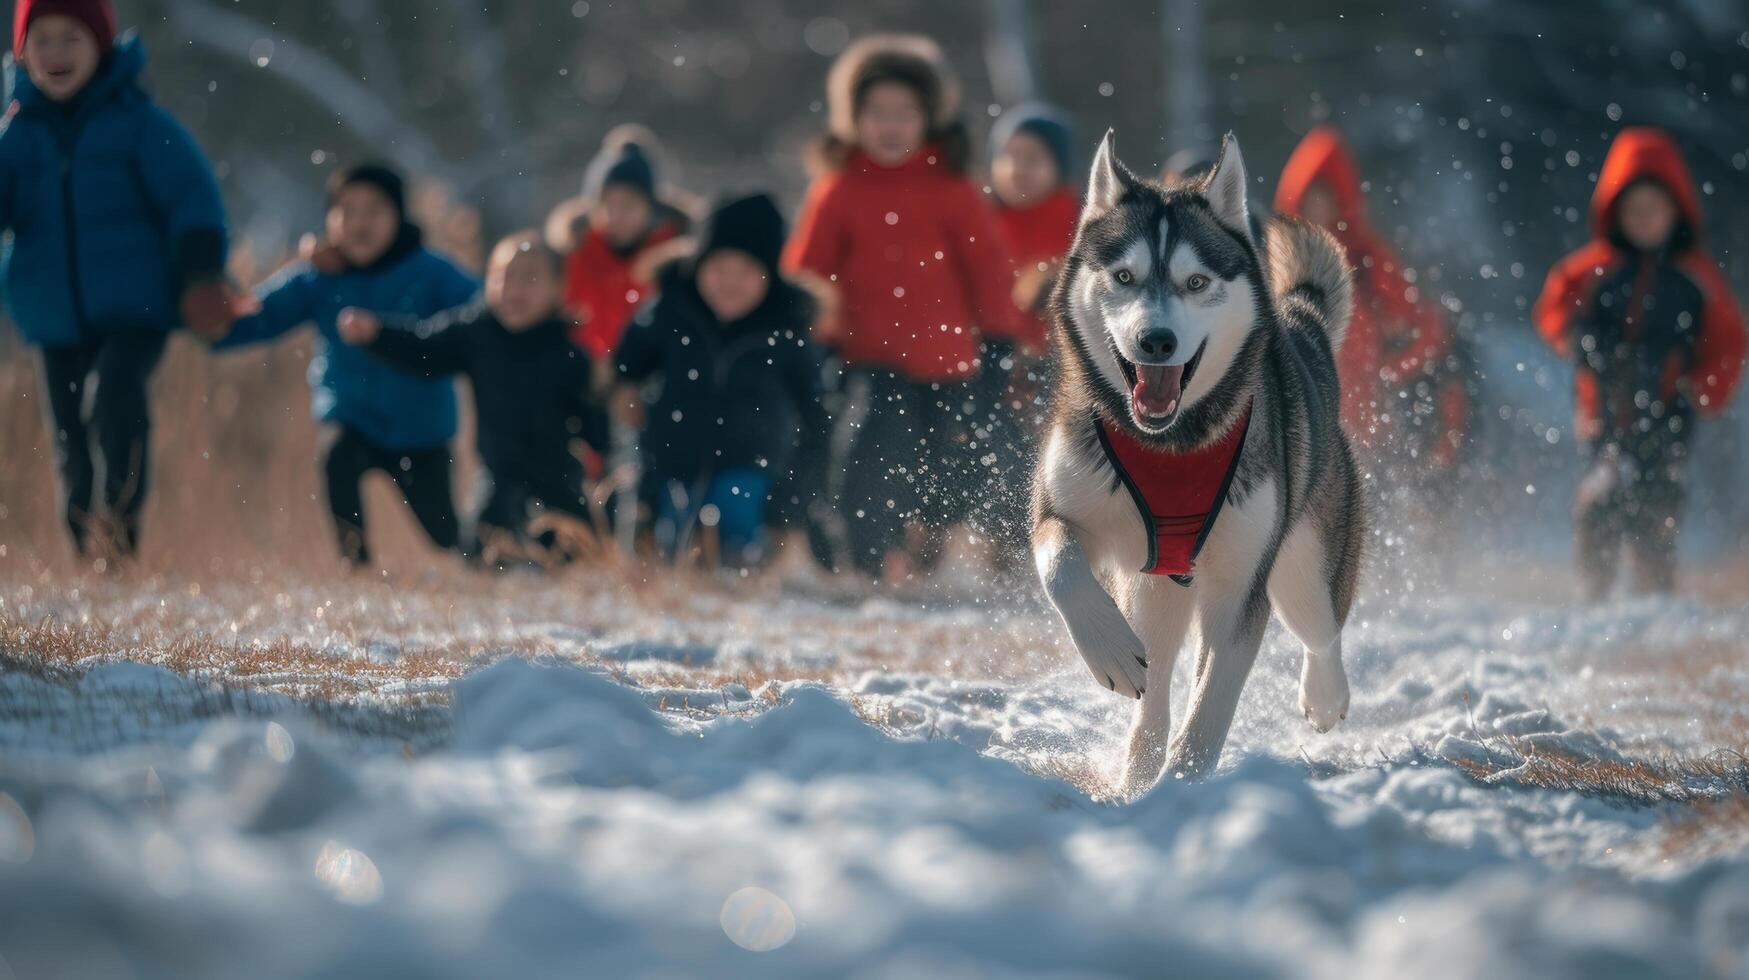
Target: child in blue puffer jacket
[[118, 237], [374, 416]]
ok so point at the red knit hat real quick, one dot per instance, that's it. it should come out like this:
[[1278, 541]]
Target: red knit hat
[[97, 16]]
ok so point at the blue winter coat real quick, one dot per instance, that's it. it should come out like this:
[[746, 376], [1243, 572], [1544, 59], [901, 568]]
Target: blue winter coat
[[111, 205], [394, 409]]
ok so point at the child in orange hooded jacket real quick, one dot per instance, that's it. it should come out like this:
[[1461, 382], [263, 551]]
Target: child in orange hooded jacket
[[1396, 342], [1656, 335]]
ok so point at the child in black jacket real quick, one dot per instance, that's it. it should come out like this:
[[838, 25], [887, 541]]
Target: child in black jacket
[[739, 378], [531, 384]]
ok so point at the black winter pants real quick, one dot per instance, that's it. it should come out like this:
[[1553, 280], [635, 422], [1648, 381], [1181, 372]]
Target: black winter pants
[[905, 451], [421, 474], [510, 495], [1631, 503], [96, 395]]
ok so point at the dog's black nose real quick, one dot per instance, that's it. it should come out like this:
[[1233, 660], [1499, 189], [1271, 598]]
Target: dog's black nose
[[1158, 343]]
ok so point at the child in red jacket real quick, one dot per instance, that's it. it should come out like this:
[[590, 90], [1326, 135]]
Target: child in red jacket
[[922, 279], [605, 278], [1037, 206], [1656, 334], [1397, 342]]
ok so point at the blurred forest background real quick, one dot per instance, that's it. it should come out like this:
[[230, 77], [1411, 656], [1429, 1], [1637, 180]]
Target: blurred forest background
[[1480, 124]]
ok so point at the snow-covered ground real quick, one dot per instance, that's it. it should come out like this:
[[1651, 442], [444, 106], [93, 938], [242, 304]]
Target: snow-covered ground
[[451, 777]]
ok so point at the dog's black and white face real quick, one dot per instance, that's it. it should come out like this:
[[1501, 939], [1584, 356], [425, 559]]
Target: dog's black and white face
[[1162, 286]]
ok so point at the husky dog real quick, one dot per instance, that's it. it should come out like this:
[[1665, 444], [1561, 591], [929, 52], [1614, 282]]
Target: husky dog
[[1191, 378]]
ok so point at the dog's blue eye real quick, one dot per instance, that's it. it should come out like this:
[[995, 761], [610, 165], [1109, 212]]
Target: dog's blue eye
[[1124, 277], [1197, 283]]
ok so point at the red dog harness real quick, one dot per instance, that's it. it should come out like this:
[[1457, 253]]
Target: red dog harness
[[1179, 495]]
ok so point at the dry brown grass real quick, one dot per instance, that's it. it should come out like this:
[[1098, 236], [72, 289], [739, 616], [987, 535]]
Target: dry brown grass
[[1711, 828], [1667, 779], [62, 651]]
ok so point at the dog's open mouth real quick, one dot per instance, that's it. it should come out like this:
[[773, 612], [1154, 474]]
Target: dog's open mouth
[[1156, 389]]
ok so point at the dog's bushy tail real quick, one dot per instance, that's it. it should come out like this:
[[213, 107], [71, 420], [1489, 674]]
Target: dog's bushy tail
[[1309, 275]]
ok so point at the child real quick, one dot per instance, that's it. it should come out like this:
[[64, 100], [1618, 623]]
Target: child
[[921, 275], [118, 236], [375, 417], [1652, 324], [605, 274], [531, 385], [1037, 203], [1037, 207], [728, 338], [1395, 343]]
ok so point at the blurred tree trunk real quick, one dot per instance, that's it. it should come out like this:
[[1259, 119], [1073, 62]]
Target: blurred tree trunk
[[1187, 87], [1010, 51]]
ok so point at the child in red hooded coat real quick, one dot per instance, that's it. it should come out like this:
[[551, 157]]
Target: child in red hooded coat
[[1396, 343], [624, 221], [1656, 335], [913, 253]]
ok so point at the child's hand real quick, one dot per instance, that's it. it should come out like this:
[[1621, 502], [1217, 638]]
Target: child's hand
[[324, 258], [358, 327], [209, 309]]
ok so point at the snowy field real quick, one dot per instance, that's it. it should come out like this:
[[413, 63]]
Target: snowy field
[[449, 776]]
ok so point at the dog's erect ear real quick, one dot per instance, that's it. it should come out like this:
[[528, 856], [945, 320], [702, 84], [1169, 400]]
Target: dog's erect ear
[[1225, 187], [1109, 181]]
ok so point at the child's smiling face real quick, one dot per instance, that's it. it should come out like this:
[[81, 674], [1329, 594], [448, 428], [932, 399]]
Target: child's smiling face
[[60, 56], [362, 223], [890, 123], [1647, 215], [1025, 172], [622, 215], [732, 283], [522, 284]]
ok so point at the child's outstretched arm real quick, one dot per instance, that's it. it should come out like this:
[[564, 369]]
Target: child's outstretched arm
[[1568, 295], [282, 304], [431, 348]]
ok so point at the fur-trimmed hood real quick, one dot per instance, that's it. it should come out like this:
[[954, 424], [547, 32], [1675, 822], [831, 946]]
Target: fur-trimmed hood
[[568, 221], [889, 55], [909, 59]]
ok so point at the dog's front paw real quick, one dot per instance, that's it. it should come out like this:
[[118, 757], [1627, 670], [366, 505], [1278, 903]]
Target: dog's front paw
[[1323, 692], [1112, 650]]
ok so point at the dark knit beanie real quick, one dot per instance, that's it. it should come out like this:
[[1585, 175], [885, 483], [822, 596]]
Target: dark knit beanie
[[1051, 127], [750, 224], [626, 164], [97, 16], [374, 175]]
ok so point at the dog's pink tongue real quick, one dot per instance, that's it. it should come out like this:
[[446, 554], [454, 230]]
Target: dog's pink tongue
[[1157, 389]]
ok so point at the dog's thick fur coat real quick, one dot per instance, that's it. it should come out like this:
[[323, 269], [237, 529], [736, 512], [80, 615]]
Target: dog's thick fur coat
[[1164, 287]]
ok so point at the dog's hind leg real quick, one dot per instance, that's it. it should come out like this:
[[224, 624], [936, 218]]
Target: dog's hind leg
[[1232, 631], [1302, 588], [1161, 610]]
